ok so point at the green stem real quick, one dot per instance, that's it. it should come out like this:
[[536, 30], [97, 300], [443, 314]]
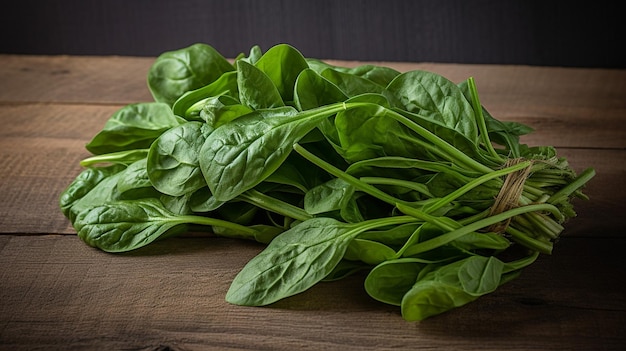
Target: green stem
[[474, 183], [382, 222], [454, 154], [366, 188], [521, 238], [419, 187], [472, 227], [566, 191], [269, 203], [480, 120], [121, 157], [194, 219]]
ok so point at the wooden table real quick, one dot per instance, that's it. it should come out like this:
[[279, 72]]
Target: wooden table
[[58, 293]]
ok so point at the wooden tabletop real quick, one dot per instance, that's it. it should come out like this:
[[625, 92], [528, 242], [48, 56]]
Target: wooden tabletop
[[58, 293]]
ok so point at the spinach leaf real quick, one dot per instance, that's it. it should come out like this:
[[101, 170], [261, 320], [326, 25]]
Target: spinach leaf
[[328, 197], [451, 286], [256, 89], [433, 96], [222, 109], [176, 72], [134, 183], [238, 156], [366, 133], [82, 185], [172, 164], [390, 280], [134, 126], [351, 85], [380, 75], [368, 251], [313, 90], [297, 259], [282, 63], [190, 104], [293, 262], [126, 225]]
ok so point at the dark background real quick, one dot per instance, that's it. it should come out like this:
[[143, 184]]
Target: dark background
[[531, 32]]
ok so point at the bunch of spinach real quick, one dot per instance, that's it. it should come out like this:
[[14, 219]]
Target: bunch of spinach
[[338, 170]]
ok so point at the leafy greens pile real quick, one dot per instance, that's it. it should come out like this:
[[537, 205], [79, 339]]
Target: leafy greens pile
[[403, 176]]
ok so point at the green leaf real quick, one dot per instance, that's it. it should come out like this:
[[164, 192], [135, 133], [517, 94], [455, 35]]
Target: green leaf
[[134, 183], [368, 251], [176, 72], [222, 109], [82, 185], [241, 154], [256, 89], [433, 96], [282, 63], [313, 90], [190, 104], [480, 275], [327, 197], [451, 286], [366, 133], [389, 281], [380, 75], [134, 126], [293, 262], [173, 165], [126, 225], [350, 84]]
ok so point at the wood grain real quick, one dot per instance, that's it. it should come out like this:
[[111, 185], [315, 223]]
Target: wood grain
[[58, 293], [172, 293]]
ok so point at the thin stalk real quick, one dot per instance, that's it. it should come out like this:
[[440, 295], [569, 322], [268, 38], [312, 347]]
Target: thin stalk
[[366, 188], [419, 187], [454, 154], [547, 226], [480, 120], [472, 227], [534, 244], [120, 157], [576, 184], [382, 222], [474, 183], [208, 221], [269, 203]]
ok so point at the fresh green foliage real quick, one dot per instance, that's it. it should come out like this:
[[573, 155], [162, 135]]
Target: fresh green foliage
[[135, 126], [402, 176], [174, 73]]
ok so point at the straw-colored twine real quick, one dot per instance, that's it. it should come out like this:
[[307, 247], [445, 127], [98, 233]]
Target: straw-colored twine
[[509, 195]]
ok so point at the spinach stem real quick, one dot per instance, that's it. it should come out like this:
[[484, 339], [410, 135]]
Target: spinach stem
[[202, 220], [471, 227], [269, 203], [480, 120], [453, 153], [119, 157], [566, 191], [366, 188], [529, 242], [474, 183], [419, 187]]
